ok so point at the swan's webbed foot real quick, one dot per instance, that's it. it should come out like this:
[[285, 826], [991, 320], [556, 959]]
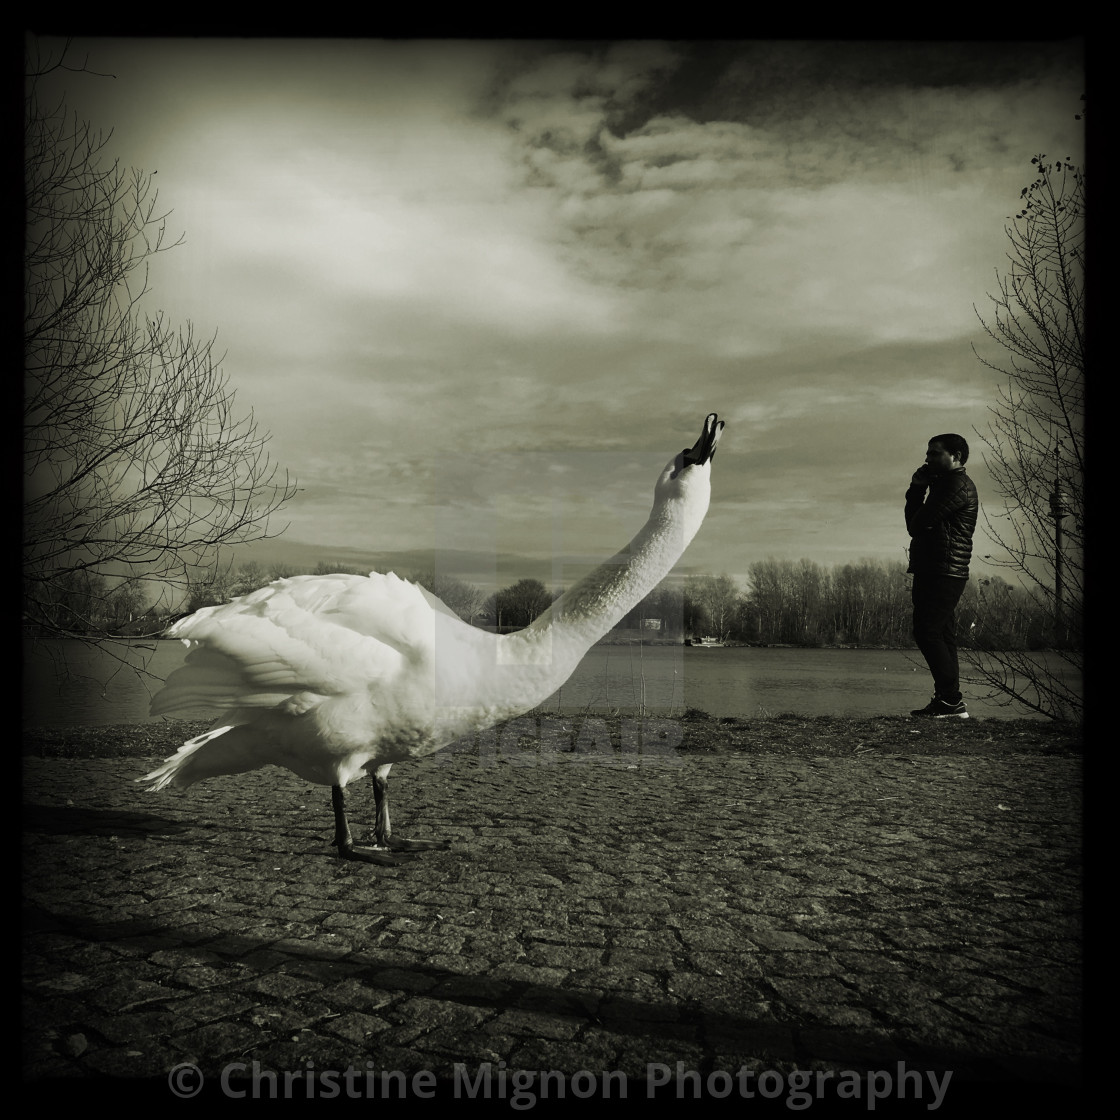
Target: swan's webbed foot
[[385, 847], [344, 841], [383, 829], [416, 845], [368, 855]]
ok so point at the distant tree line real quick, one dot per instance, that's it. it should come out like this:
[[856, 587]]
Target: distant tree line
[[785, 602], [866, 603]]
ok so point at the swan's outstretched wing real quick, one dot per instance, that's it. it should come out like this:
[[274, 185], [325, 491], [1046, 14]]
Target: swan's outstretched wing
[[299, 641]]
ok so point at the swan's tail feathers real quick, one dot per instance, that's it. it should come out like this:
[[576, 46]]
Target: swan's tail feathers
[[191, 763]]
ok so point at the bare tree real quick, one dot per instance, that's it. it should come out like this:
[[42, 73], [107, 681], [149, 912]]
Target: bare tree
[[718, 598], [516, 606], [1035, 441], [137, 464], [128, 607], [466, 600]]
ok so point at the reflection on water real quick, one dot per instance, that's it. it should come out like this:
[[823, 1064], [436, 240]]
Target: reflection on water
[[67, 684]]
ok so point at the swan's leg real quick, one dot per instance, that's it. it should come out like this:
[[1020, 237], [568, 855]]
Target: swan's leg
[[345, 842], [383, 830]]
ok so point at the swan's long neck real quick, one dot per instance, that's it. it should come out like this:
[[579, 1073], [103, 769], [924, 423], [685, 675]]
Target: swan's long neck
[[516, 672], [598, 601]]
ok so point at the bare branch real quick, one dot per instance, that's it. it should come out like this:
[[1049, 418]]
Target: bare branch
[[138, 465]]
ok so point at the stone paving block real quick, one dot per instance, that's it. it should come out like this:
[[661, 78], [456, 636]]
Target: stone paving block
[[142, 1026], [221, 1039], [356, 1027], [125, 994], [528, 974], [213, 1005], [535, 1024]]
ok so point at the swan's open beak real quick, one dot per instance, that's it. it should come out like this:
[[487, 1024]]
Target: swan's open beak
[[705, 447]]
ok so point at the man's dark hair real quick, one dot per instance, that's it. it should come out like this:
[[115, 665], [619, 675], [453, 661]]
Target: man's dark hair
[[954, 444]]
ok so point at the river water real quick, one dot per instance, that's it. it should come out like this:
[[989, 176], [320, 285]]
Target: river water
[[66, 684]]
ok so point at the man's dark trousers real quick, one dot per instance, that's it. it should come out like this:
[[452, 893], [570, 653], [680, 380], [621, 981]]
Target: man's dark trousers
[[935, 601]]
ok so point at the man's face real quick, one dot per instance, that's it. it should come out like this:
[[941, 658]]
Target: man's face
[[938, 459]]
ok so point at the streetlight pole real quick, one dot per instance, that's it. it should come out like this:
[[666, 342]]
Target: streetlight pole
[[1059, 508]]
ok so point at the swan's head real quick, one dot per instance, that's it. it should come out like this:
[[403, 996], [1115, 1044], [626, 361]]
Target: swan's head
[[687, 476]]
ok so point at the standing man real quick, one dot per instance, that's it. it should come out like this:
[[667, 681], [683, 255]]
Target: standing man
[[941, 524]]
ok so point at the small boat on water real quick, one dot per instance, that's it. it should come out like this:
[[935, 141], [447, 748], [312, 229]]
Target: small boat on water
[[704, 643]]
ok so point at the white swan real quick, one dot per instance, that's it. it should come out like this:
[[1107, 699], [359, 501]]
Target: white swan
[[334, 675]]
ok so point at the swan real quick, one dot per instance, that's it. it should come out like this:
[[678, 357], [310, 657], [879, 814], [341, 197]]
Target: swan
[[333, 676]]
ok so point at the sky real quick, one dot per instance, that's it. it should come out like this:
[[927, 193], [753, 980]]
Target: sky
[[479, 292]]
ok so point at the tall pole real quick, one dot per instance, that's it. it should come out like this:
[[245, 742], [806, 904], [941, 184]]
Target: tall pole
[[1058, 510]]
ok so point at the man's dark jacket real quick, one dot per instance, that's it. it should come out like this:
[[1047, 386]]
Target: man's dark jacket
[[941, 527]]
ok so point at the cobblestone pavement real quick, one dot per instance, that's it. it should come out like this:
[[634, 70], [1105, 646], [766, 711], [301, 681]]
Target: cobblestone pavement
[[621, 914]]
